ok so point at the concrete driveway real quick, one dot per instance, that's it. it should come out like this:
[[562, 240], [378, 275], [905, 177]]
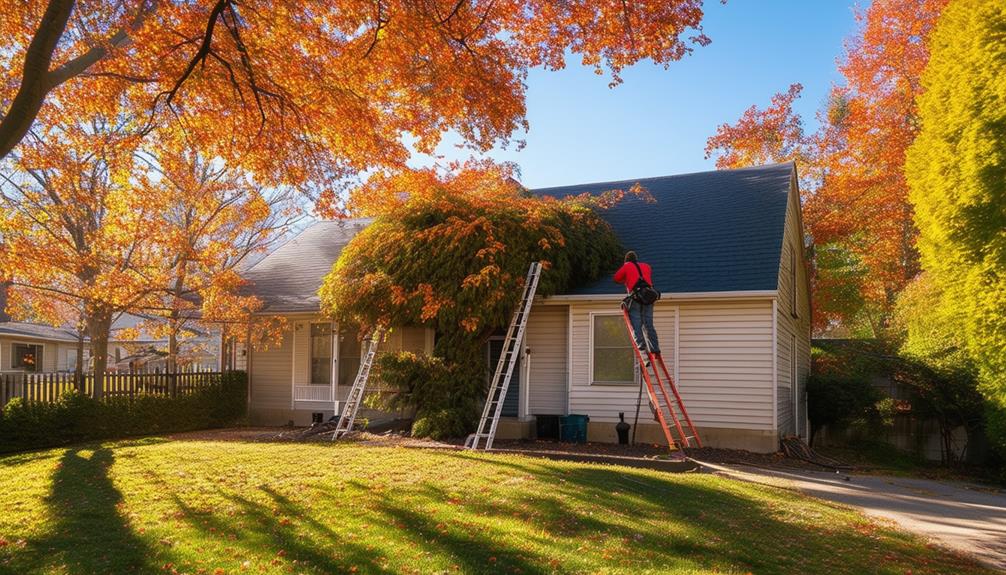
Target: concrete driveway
[[967, 518]]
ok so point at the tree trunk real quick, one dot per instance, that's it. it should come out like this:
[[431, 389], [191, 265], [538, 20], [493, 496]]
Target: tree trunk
[[78, 367], [99, 326], [172, 363]]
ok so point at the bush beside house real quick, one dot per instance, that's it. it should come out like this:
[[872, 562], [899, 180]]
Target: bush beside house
[[867, 389], [76, 417]]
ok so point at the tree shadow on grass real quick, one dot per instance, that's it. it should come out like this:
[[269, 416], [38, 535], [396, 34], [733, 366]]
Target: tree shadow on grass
[[17, 458], [88, 535], [667, 524], [268, 530]]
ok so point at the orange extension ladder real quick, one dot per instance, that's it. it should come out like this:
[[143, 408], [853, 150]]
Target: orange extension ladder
[[675, 415]]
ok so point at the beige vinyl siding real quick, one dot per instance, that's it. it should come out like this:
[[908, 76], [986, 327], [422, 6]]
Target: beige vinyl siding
[[784, 392], [725, 363], [546, 335], [792, 400], [603, 402], [270, 372]]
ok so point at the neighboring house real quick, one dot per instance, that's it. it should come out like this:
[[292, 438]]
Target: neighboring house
[[38, 348], [32, 347], [133, 347], [734, 321]]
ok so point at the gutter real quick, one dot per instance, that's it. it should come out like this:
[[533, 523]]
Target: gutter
[[669, 296]]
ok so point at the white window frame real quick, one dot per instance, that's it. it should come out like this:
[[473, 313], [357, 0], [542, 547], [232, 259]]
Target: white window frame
[[71, 359], [310, 352], [590, 347]]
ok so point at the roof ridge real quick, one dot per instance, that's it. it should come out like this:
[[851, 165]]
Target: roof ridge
[[761, 167]]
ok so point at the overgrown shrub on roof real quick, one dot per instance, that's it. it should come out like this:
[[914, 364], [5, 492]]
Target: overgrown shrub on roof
[[450, 252]]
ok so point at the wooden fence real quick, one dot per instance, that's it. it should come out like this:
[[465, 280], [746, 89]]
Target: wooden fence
[[47, 387]]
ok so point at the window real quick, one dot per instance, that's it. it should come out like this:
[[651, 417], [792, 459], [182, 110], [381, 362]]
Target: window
[[794, 288], [613, 358], [321, 354], [349, 356], [26, 356]]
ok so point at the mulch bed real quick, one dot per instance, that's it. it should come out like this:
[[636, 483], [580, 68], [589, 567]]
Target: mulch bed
[[297, 434], [615, 452]]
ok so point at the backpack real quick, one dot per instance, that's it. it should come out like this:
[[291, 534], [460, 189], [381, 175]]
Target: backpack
[[643, 292]]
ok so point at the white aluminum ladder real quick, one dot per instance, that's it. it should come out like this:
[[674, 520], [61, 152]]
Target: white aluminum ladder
[[348, 415], [504, 368]]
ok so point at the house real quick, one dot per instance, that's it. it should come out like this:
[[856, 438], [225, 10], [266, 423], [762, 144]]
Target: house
[[727, 248], [27, 347], [134, 347], [33, 347]]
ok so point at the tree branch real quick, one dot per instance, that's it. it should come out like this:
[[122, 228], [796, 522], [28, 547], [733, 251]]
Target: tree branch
[[34, 77]]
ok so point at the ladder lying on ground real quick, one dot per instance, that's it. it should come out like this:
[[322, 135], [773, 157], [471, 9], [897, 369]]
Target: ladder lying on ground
[[348, 416], [675, 408], [504, 369]]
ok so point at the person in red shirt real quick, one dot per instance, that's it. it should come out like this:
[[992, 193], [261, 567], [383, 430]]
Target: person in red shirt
[[640, 315]]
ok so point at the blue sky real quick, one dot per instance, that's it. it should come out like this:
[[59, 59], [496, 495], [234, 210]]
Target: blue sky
[[656, 123]]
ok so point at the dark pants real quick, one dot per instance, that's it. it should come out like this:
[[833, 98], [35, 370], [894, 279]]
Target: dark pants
[[641, 318]]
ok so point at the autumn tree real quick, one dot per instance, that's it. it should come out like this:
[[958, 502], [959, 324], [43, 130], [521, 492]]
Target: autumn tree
[[768, 136], [862, 202], [852, 169], [957, 172], [76, 228], [450, 252], [312, 93], [211, 221]]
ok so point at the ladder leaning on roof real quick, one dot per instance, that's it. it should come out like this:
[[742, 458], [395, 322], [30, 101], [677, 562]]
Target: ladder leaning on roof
[[348, 416], [504, 368], [675, 407]]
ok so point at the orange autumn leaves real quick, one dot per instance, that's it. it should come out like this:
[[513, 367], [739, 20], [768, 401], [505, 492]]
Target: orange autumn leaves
[[99, 222], [852, 169], [451, 250], [310, 94]]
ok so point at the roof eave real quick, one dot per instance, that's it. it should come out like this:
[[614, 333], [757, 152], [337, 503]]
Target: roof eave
[[676, 296]]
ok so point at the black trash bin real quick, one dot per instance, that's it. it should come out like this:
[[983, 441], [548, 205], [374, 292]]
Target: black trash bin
[[547, 427]]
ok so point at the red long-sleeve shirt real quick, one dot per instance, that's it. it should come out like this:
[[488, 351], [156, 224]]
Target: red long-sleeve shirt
[[628, 275]]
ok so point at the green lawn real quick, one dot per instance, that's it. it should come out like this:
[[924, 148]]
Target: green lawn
[[226, 507]]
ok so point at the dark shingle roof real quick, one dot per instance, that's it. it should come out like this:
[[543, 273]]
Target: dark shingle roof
[[707, 232], [36, 331], [287, 280]]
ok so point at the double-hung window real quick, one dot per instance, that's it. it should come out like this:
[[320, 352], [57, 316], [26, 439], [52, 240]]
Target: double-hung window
[[613, 359], [321, 354]]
